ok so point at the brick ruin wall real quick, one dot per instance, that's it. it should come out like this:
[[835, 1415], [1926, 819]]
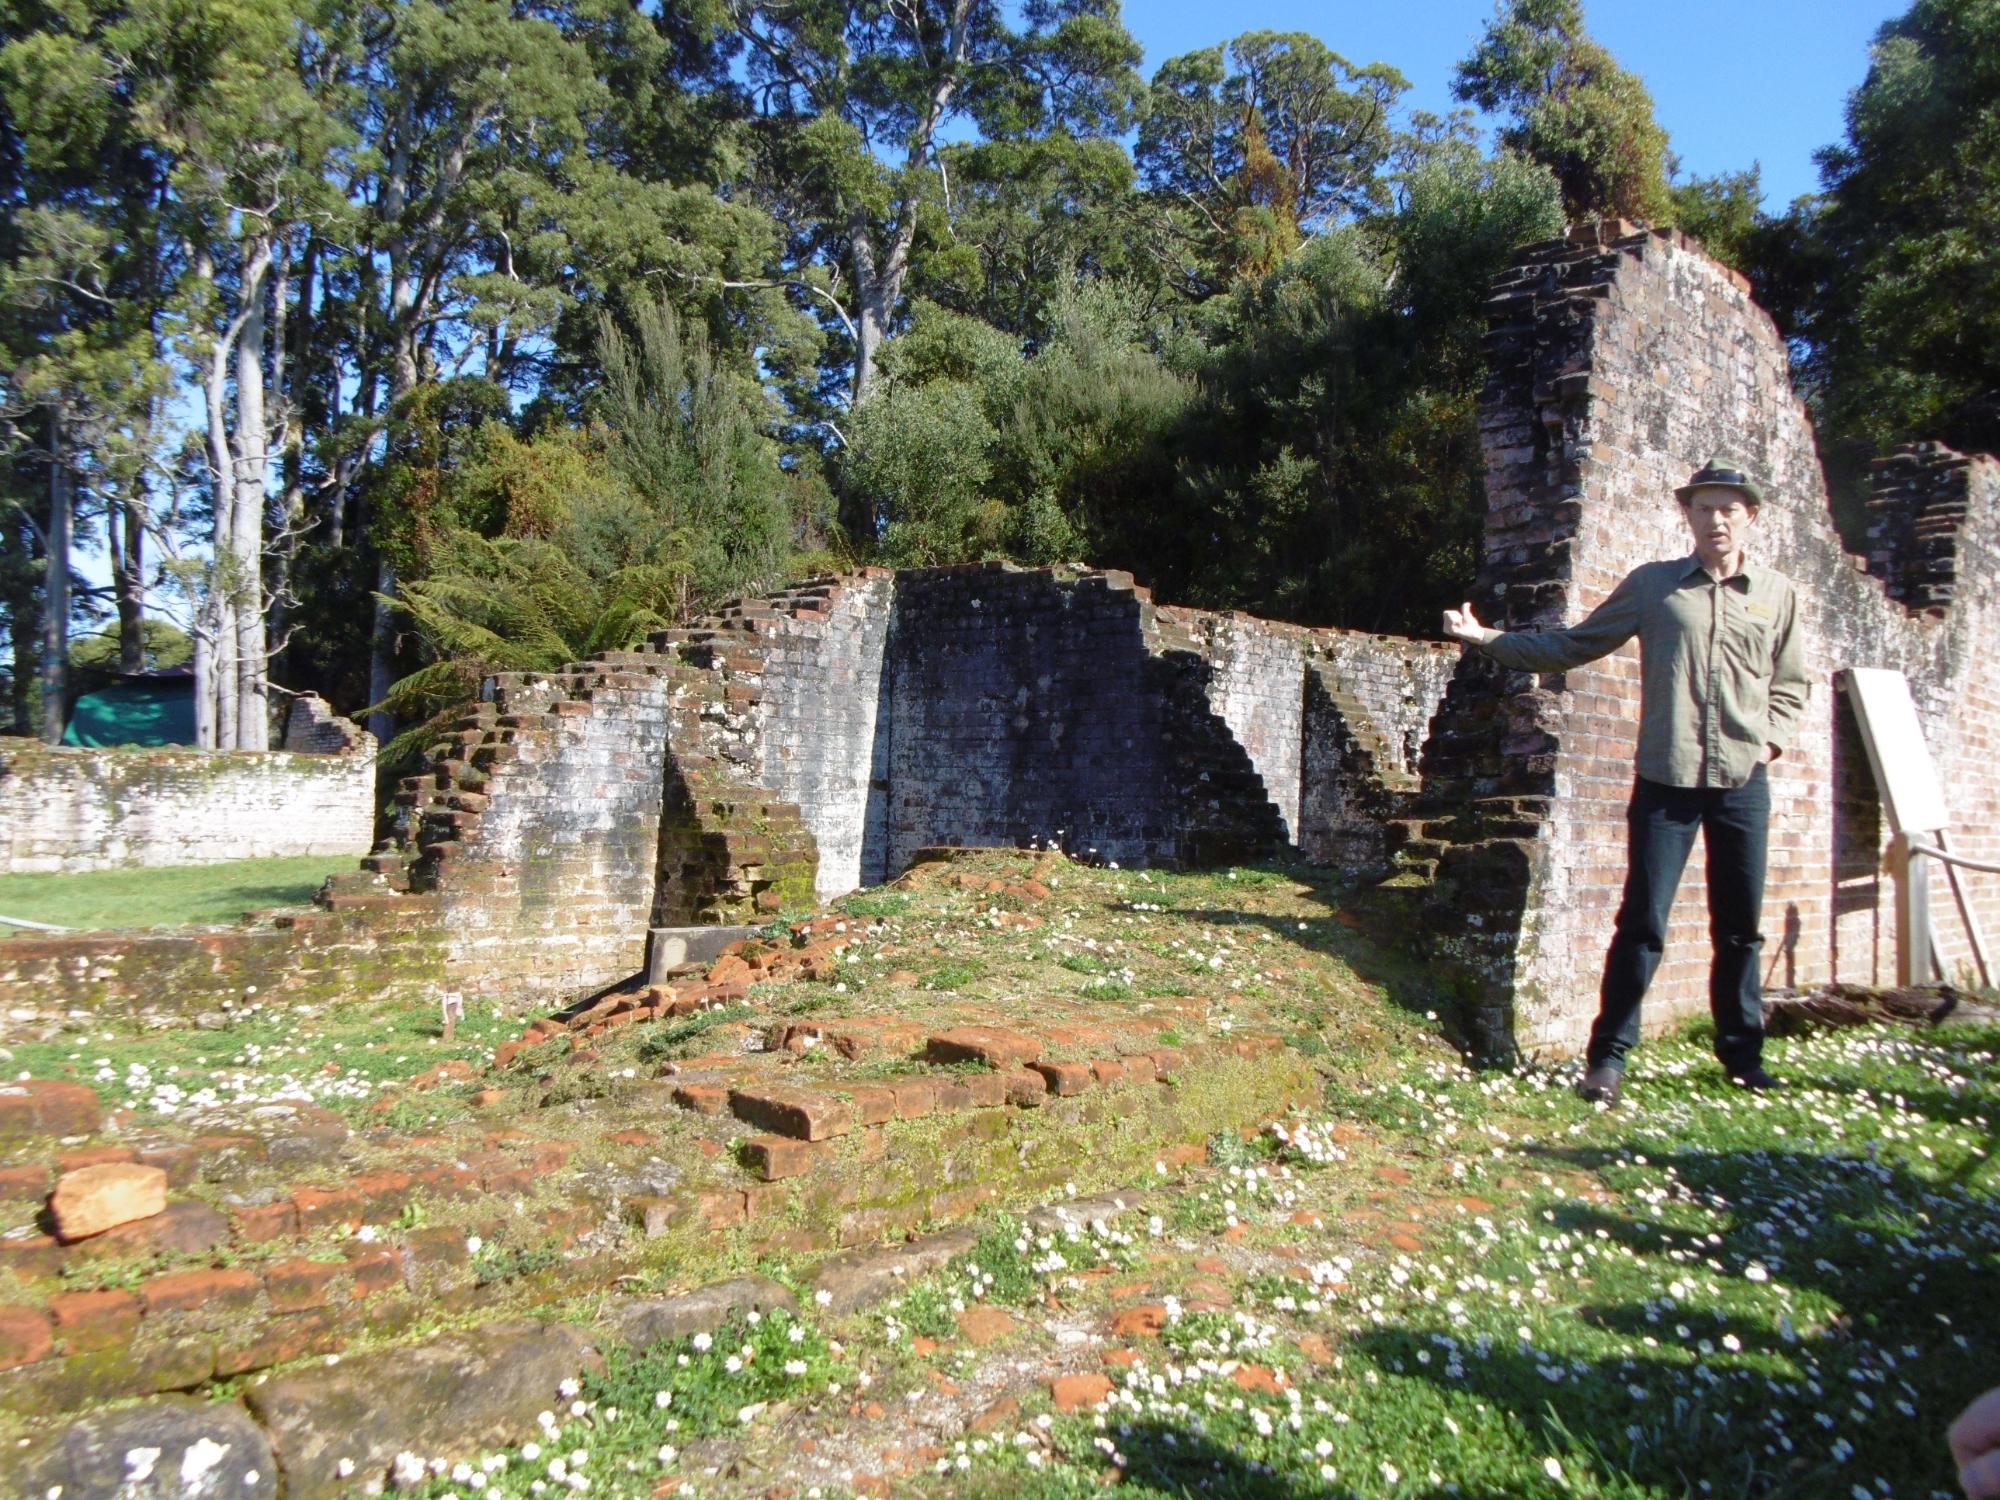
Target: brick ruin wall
[[809, 742], [67, 810], [1620, 362]]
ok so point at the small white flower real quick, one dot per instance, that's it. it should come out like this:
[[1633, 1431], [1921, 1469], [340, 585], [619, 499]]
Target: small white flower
[[474, 1244]]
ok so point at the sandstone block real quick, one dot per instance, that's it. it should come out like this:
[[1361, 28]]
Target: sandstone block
[[91, 1200], [452, 1397], [174, 1448]]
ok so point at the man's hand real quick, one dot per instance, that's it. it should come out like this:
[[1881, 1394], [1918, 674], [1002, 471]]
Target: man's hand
[[1771, 753], [1975, 1447], [1462, 624]]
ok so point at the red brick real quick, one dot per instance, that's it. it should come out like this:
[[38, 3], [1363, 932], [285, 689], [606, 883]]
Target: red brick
[[298, 1285], [429, 1248], [803, 1114], [196, 1291], [915, 1097], [375, 1269], [1065, 1078], [31, 1257], [1076, 1392], [330, 1208], [1108, 1071], [719, 1210], [23, 1184], [703, 1098], [48, 1106], [985, 1090], [447, 1181], [775, 1156], [1142, 1321], [94, 1156], [992, 1045], [104, 1195], [872, 1106], [261, 1225], [88, 1321], [384, 1194], [1025, 1088], [182, 1164], [766, 1200], [278, 1340], [1168, 1062], [24, 1336]]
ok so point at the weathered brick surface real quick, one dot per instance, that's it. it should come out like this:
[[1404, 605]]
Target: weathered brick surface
[[1621, 361], [66, 809]]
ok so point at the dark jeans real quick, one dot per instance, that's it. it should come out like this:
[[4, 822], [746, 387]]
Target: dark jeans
[[1661, 823]]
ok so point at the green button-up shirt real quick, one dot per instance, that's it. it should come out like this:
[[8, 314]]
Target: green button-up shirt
[[1721, 669]]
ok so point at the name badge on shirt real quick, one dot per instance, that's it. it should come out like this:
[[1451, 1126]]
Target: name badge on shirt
[[1761, 611]]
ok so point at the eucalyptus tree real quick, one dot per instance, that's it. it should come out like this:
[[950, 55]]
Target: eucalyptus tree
[[1570, 106], [1904, 322], [1264, 142], [856, 103]]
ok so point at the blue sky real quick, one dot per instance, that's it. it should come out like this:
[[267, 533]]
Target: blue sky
[[1733, 81]]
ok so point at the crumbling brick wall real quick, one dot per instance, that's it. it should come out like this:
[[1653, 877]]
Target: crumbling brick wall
[[542, 841], [1620, 362], [1034, 705], [313, 728], [825, 714]]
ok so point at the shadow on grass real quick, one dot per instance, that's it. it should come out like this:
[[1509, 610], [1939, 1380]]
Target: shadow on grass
[[1888, 1268], [1371, 929]]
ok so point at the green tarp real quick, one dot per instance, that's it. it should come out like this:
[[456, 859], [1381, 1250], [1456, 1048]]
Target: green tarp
[[140, 711]]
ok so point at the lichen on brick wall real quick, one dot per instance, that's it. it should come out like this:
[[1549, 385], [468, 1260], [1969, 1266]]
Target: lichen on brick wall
[[1620, 361]]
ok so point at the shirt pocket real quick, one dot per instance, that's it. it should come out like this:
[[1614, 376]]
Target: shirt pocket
[[1748, 640]]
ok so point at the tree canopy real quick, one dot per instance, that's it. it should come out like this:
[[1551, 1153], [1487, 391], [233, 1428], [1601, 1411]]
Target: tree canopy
[[376, 344]]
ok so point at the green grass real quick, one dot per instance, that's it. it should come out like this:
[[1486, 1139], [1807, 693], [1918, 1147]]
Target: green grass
[[1706, 1292], [173, 896]]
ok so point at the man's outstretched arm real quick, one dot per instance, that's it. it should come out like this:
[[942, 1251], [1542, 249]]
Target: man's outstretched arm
[[1602, 631]]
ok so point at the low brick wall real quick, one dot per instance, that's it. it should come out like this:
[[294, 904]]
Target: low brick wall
[[64, 810], [388, 947]]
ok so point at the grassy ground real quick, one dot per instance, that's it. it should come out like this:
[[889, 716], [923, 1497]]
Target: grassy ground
[[176, 896], [1442, 1283], [1437, 1281]]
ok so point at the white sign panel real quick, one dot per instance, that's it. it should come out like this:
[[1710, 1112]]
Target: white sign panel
[[1904, 772]]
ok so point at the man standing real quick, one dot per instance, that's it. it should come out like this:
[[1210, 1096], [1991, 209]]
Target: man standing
[[1721, 690]]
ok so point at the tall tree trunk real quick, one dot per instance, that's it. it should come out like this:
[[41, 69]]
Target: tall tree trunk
[[207, 733], [125, 531], [253, 719], [21, 543], [55, 587]]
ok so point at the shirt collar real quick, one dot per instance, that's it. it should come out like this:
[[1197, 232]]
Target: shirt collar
[[1745, 574]]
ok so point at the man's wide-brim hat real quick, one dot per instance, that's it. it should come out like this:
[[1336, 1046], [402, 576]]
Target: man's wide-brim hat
[[1721, 472]]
